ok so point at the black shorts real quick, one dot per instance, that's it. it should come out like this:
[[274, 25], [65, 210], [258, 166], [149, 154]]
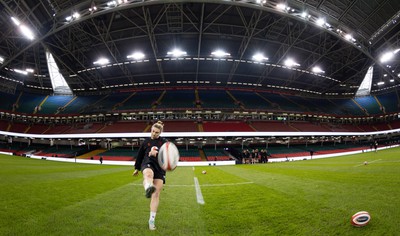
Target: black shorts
[[158, 172]]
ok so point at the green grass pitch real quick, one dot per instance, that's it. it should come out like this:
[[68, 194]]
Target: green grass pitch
[[312, 197]]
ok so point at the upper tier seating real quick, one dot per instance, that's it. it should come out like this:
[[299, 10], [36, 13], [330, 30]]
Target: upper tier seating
[[346, 107], [112, 101], [390, 102], [217, 99], [28, 102], [314, 105], [369, 104], [141, 100], [83, 103], [178, 99], [53, 104], [208, 99], [280, 102], [252, 100], [8, 101]]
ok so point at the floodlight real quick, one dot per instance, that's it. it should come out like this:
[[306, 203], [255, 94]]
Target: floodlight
[[259, 57], [349, 37], [290, 62], [24, 29], [1, 59], [389, 55], [27, 32], [317, 69], [136, 56], [381, 83], [111, 3], [76, 15], [305, 15], [220, 53], [320, 22], [176, 53], [16, 21], [281, 6], [94, 8], [21, 71], [101, 61]]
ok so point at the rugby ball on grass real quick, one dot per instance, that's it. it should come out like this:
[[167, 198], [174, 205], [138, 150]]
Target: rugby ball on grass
[[360, 219], [168, 156]]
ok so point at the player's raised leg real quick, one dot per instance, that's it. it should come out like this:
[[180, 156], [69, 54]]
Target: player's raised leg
[[148, 176]]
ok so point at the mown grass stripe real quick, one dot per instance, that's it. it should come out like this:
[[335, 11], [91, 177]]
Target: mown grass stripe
[[203, 185]]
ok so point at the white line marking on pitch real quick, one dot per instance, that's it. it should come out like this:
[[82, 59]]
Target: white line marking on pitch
[[199, 196], [368, 162]]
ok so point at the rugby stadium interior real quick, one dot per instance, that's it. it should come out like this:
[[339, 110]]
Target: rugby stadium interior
[[88, 78]]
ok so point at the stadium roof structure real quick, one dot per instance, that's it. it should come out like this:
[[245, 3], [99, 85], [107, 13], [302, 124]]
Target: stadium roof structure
[[331, 43]]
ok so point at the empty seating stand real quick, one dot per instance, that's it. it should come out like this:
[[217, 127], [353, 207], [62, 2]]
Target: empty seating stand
[[226, 126], [216, 99], [215, 154], [117, 154], [190, 154], [369, 104]]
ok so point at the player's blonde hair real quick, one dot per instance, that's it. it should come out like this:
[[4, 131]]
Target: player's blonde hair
[[159, 125]]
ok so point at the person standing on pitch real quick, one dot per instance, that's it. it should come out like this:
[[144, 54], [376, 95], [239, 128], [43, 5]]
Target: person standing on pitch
[[153, 174]]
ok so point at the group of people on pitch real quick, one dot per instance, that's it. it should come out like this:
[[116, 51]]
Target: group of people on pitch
[[254, 156]]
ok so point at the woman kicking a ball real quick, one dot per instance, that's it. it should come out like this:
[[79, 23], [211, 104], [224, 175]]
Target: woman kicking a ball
[[153, 174]]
